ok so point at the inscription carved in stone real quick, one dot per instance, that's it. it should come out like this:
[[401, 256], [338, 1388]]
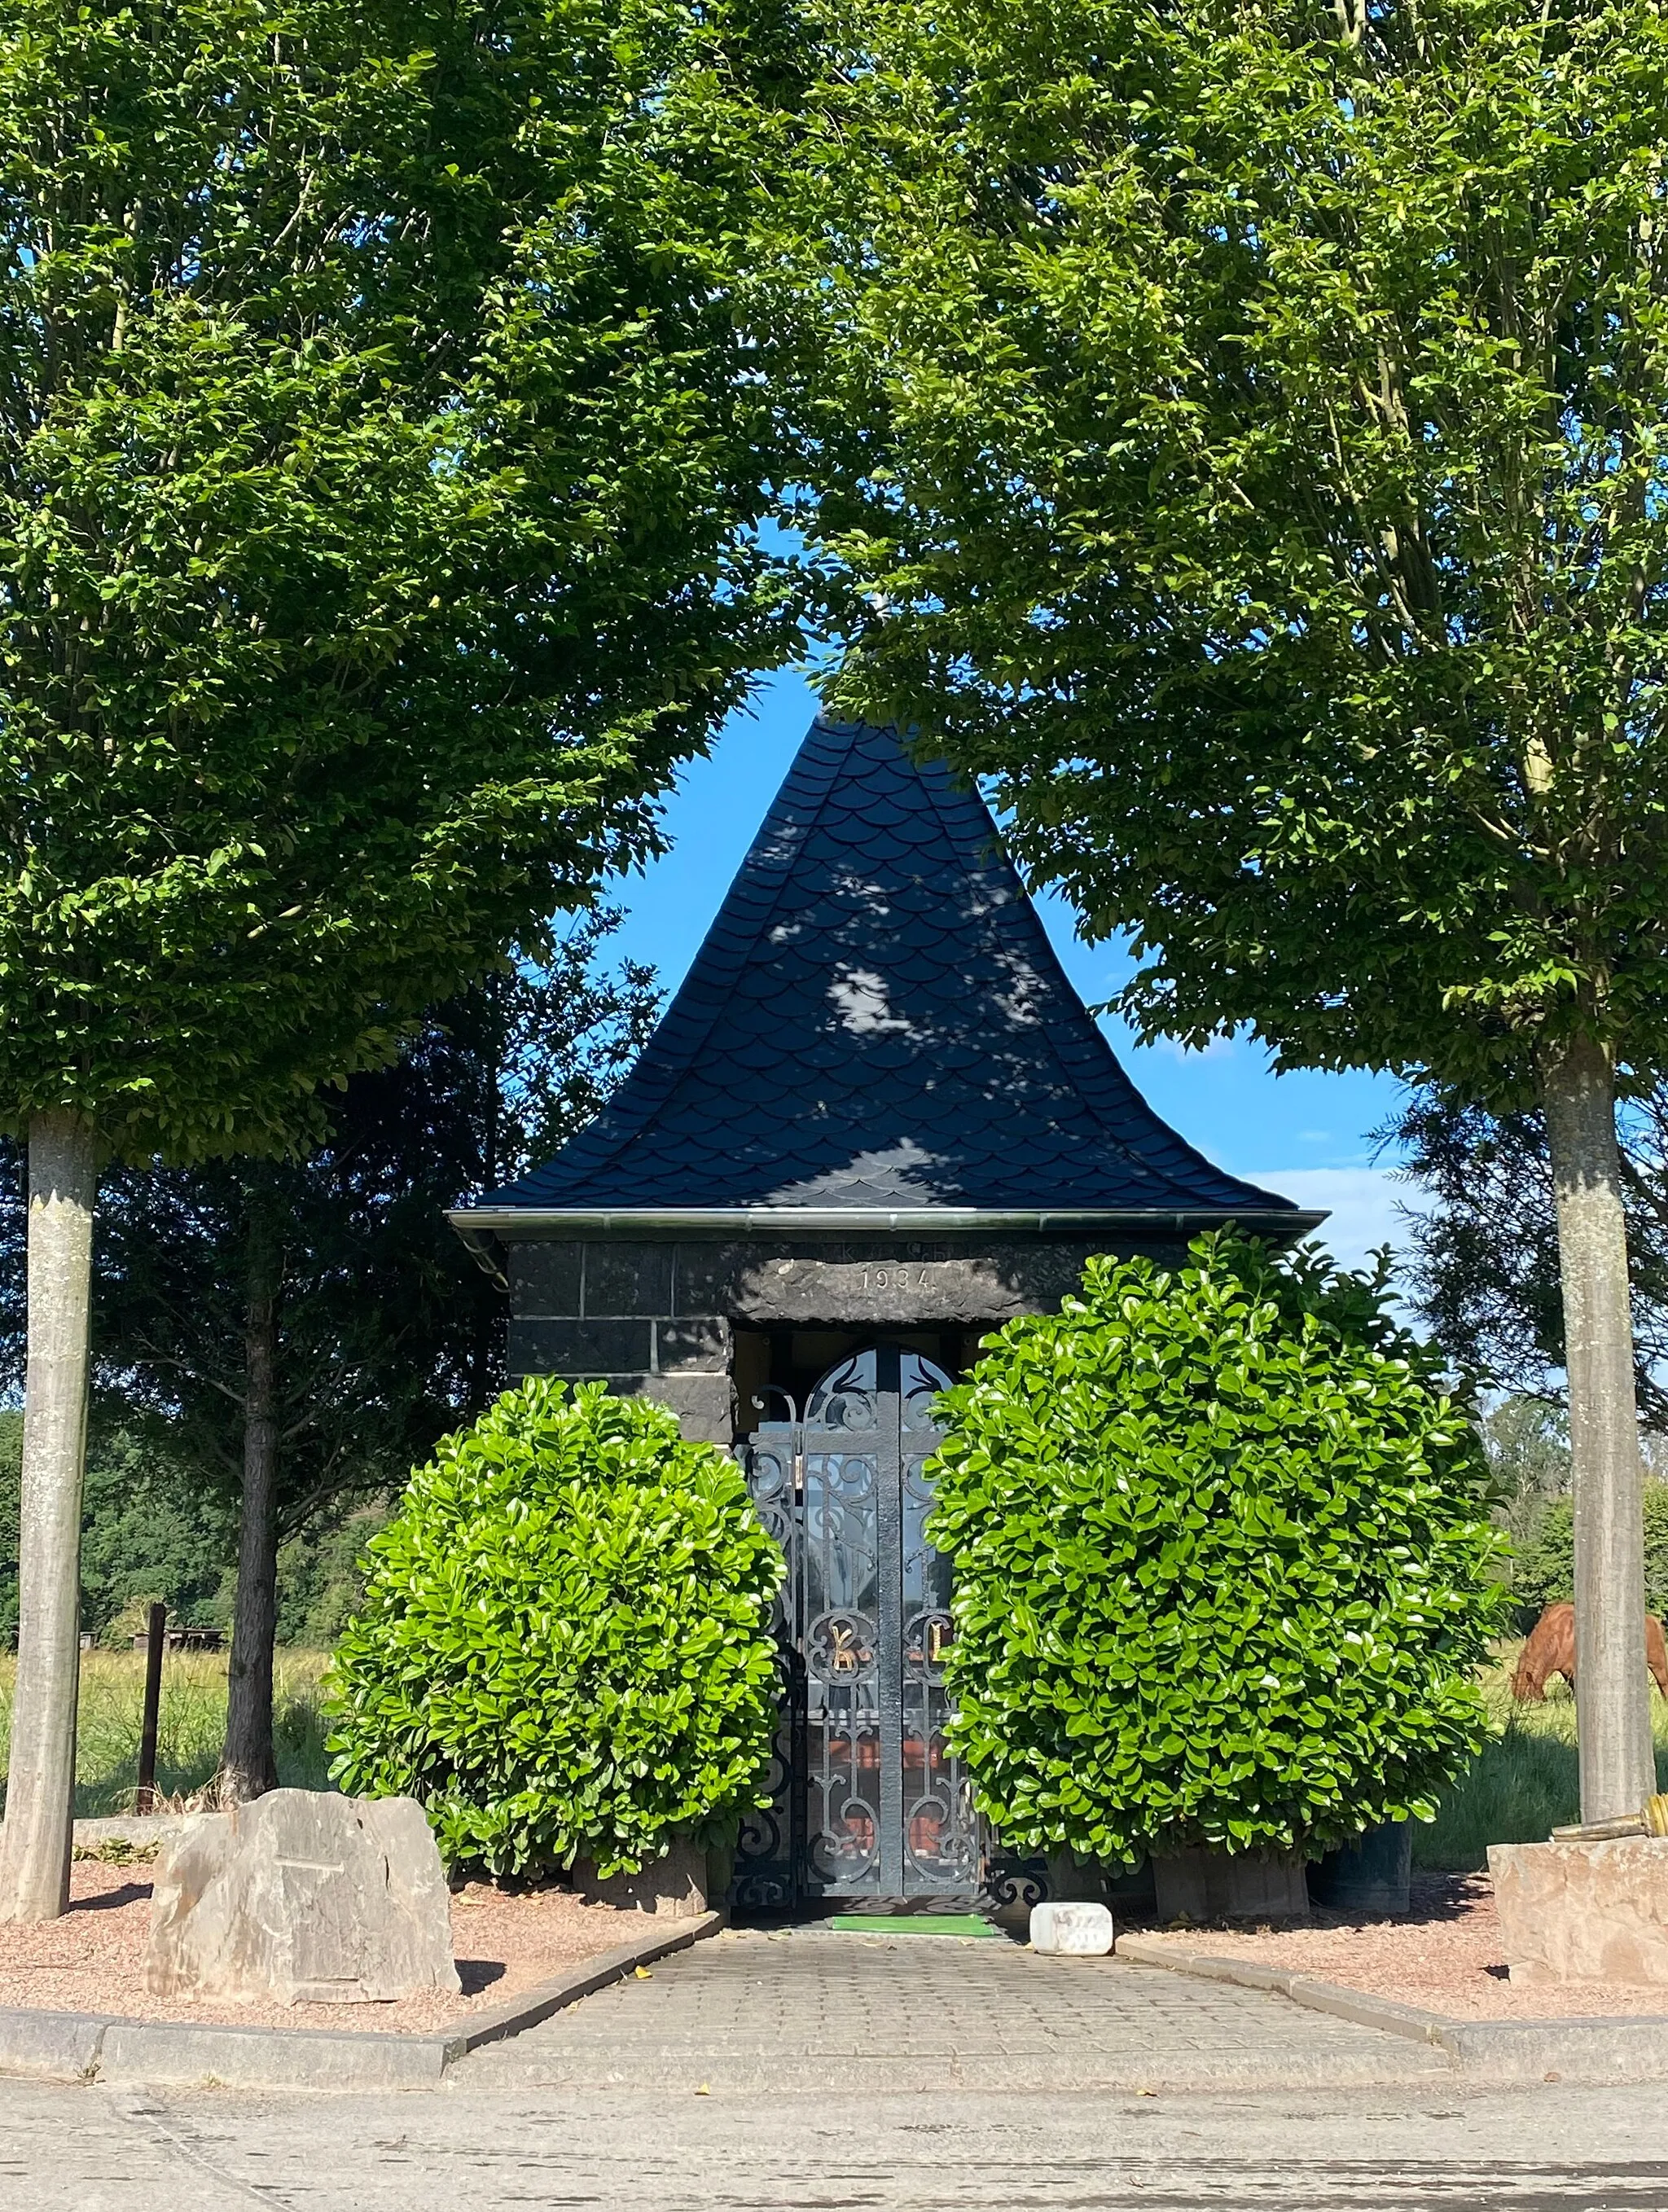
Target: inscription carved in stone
[[888, 1289]]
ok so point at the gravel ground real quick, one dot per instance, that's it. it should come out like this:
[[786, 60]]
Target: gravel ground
[[1446, 1955], [89, 1960]]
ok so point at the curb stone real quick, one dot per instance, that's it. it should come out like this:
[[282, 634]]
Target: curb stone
[[1383, 2012], [81, 2046], [63, 2044], [1631, 2049], [582, 1980]]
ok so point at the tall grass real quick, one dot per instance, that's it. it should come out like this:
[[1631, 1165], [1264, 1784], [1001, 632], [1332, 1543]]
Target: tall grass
[[191, 1726], [1524, 1783]]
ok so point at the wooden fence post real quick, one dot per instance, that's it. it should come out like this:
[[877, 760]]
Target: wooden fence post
[[145, 1799]]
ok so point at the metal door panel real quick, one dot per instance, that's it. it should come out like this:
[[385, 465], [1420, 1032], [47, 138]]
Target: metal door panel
[[867, 1801]]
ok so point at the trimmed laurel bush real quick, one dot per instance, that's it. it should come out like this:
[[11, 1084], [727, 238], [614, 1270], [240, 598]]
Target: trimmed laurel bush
[[1222, 1562], [563, 1648]]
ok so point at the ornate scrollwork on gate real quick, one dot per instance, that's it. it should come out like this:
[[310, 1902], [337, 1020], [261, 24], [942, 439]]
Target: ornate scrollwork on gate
[[866, 1798], [840, 1648], [846, 1399]]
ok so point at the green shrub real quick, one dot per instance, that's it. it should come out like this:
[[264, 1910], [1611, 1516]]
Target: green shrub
[[1545, 1571], [1222, 1562], [563, 1648]]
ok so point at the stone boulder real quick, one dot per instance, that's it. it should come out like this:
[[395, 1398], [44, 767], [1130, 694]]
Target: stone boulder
[[1584, 1911], [303, 1897]]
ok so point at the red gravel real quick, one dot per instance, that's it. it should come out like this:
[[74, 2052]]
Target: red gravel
[[1444, 1956], [90, 1960]]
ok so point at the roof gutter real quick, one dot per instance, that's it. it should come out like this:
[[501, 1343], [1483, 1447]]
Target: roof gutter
[[482, 1228], [909, 1218]]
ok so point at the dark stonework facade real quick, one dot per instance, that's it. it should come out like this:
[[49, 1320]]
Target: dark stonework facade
[[701, 1323]]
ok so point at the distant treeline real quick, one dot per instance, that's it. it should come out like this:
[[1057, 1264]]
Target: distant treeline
[[152, 1530]]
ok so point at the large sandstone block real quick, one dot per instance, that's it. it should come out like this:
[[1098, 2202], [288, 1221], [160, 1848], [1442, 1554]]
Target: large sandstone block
[[1584, 1912], [306, 1897]]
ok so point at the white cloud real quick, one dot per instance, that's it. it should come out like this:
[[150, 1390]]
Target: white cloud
[[1362, 1204]]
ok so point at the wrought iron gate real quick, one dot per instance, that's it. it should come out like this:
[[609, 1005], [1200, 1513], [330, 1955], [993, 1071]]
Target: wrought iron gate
[[868, 1801]]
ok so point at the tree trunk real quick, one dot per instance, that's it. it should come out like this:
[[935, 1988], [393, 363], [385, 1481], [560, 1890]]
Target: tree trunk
[[34, 1843], [1612, 1693], [248, 1766]]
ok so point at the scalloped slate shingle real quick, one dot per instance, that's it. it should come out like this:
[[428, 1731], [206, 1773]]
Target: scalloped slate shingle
[[877, 1020]]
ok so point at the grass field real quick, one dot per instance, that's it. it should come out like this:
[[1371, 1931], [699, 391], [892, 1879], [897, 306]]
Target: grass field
[[191, 1726], [1524, 1783]]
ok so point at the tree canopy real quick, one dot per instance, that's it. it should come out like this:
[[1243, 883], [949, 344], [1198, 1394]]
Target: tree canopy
[[379, 461], [382, 448], [1242, 432], [1237, 433]]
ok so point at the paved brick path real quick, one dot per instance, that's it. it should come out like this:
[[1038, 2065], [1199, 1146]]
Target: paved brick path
[[915, 2075], [809, 2010]]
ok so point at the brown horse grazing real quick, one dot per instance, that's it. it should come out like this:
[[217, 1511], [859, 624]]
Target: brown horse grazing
[[1550, 1650]]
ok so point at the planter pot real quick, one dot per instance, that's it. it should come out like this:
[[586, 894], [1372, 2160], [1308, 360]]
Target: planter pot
[[1372, 1877], [671, 1888], [1200, 1884], [720, 1874], [1072, 1880]]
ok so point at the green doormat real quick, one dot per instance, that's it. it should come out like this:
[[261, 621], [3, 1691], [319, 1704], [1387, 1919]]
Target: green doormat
[[912, 1923]]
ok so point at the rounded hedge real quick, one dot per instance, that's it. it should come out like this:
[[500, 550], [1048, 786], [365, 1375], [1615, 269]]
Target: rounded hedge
[[564, 1649], [1223, 1562]]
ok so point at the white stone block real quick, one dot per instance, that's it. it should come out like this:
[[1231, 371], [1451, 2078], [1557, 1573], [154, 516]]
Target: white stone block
[[1073, 1931]]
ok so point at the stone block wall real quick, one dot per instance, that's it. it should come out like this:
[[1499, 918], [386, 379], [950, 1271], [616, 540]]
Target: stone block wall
[[604, 1311], [658, 1315]]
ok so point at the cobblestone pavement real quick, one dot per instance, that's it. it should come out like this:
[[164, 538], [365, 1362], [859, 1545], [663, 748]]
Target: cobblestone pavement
[[1404, 2149], [807, 2010], [811, 2073]]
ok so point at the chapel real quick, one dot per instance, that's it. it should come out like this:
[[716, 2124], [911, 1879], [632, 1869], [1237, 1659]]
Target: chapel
[[875, 1123]]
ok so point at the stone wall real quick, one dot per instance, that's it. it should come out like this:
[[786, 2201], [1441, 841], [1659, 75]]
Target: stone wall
[[656, 1316]]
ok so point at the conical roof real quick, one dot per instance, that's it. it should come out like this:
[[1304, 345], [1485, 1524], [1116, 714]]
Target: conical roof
[[877, 1025]]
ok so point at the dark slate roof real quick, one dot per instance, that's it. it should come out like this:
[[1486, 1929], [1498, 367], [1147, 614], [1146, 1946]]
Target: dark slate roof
[[877, 1020]]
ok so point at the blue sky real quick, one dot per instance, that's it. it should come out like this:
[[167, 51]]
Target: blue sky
[[1307, 1135]]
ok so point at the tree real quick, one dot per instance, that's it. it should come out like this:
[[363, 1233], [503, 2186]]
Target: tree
[[380, 450], [301, 1334], [1483, 1261], [1527, 1443], [1241, 435], [148, 1530], [1545, 1571]]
